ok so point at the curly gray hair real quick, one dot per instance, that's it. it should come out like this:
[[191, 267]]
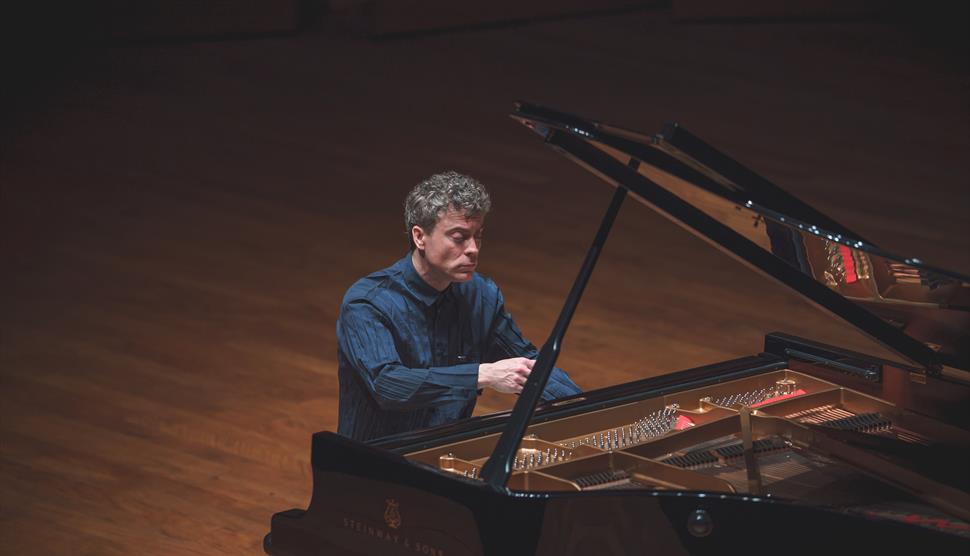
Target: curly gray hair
[[435, 195]]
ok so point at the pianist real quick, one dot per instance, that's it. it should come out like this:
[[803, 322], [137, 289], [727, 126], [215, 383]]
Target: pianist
[[420, 340]]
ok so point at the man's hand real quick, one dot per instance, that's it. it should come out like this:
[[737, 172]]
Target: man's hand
[[507, 376]]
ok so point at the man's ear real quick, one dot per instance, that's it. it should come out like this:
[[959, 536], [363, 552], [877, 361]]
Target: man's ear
[[418, 237]]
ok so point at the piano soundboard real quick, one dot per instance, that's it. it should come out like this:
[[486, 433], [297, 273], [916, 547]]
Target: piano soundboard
[[780, 434]]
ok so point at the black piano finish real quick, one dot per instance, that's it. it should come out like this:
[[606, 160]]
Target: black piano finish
[[368, 498], [445, 514]]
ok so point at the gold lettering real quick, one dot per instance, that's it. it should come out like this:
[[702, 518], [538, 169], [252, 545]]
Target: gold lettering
[[389, 536], [428, 549]]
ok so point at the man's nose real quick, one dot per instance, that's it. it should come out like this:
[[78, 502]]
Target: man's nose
[[472, 247]]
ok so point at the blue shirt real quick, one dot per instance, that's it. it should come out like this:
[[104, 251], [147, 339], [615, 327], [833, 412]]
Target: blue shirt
[[409, 354]]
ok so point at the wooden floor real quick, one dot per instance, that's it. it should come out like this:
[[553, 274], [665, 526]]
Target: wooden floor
[[180, 221]]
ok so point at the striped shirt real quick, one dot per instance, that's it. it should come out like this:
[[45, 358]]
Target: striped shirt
[[409, 354]]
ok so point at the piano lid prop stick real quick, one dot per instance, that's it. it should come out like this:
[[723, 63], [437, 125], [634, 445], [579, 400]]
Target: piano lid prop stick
[[498, 468]]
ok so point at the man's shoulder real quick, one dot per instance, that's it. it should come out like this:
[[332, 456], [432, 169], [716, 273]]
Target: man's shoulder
[[374, 286], [480, 286], [483, 282]]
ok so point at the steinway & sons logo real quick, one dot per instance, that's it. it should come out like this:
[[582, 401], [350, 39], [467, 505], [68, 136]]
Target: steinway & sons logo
[[392, 516]]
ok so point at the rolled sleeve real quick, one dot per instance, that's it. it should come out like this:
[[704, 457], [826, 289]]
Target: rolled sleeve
[[560, 386], [464, 376]]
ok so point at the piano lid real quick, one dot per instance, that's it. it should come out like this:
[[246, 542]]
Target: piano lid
[[916, 310]]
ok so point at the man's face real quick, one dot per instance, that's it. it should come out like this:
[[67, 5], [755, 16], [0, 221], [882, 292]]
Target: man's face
[[451, 249]]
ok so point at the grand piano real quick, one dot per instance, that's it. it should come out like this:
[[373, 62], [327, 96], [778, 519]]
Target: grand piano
[[802, 448]]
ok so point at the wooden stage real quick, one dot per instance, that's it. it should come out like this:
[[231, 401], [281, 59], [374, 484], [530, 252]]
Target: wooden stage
[[180, 221]]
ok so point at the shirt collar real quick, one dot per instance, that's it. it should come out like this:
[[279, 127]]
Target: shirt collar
[[413, 281]]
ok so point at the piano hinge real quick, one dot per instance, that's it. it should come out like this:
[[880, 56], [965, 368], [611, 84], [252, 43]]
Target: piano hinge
[[569, 401], [866, 371]]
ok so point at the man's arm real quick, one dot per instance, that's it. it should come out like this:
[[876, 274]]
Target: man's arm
[[507, 341], [368, 344]]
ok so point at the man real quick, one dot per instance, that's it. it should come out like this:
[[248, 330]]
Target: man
[[419, 340]]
